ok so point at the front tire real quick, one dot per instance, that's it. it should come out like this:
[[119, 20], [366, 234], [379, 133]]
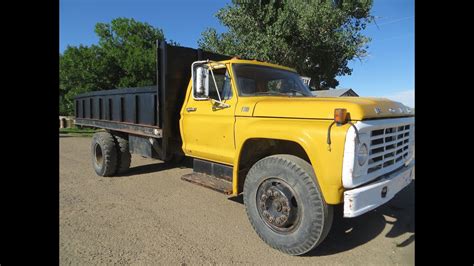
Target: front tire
[[104, 154], [285, 205]]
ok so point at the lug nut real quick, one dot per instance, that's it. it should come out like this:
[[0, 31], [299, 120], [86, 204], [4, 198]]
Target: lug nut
[[278, 221], [269, 193], [266, 214], [276, 194]]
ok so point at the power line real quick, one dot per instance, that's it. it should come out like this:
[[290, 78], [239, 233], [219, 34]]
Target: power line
[[391, 21], [393, 38]]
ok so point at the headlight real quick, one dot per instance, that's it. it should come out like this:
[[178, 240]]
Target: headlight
[[362, 154]]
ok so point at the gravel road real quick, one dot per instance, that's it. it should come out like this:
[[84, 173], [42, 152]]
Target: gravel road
[[151, 216]]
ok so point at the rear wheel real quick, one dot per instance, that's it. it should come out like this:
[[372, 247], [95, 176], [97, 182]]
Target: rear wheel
[[104, 154], [284, 204], [123, 152]]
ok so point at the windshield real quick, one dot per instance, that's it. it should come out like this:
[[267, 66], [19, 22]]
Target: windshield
[[254, 80]]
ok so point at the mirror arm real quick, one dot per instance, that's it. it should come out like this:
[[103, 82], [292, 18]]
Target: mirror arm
[[221, 104], [215, 85]]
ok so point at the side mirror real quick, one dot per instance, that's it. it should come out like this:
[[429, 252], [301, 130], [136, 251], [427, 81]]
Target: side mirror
[[200, 82]]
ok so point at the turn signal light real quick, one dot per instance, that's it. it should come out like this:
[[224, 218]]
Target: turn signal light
[[340, 116]]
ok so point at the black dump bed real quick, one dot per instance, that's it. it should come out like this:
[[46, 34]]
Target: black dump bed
[[147, 111], [126, 109]]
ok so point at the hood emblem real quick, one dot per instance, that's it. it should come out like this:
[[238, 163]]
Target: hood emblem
[[377, 110]]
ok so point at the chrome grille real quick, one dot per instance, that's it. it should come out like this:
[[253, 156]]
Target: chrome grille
[[388, 147]]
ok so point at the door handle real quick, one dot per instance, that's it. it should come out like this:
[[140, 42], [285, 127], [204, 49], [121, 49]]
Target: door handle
[[191, 109]]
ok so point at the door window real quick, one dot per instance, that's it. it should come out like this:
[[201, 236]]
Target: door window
[[223, 85]]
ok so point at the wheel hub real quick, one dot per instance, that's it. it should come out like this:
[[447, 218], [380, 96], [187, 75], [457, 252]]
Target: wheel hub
[[274, 201], [99, 159]]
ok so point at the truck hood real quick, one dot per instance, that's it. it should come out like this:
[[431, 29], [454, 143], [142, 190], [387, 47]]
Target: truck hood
[[323, 107]]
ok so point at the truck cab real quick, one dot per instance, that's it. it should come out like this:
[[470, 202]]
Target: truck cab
[[248, 110], [254, 128], [268, 105]]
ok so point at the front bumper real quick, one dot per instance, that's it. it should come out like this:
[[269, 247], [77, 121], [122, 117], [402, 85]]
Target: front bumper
[[363, 199]]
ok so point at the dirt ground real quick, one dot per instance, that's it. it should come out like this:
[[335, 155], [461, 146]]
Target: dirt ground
[[151, 216]]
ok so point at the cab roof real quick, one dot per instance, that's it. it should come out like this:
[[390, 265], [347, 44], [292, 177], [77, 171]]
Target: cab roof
[[236, 60]]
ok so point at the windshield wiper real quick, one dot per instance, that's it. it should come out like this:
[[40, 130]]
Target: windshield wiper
[[300, 92], [270, 93], [282, 93]]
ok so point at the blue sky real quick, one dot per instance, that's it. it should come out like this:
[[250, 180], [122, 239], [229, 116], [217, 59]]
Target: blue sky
[[388, 71]]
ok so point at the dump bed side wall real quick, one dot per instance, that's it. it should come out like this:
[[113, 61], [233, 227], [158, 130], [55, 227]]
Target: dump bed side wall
[[135, 105]]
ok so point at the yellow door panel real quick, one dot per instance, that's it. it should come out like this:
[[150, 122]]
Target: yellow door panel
[[208, 132]]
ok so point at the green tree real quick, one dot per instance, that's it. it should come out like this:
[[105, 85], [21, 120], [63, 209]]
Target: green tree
[[83, 69], [124, 57], [317, 38]]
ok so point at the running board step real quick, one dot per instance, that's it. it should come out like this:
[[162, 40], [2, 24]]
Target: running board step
[[216, 184]]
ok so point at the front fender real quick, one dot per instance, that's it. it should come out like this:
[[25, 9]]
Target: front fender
[[311, 135]]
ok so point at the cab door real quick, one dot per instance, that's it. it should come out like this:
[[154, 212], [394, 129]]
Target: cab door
[[207, 131]]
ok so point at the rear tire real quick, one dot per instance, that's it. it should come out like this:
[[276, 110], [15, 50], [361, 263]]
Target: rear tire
[[123, 152], [285, 205], [104, 154]]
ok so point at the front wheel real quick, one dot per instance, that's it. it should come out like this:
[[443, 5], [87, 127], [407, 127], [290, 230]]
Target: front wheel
[[285, 205]]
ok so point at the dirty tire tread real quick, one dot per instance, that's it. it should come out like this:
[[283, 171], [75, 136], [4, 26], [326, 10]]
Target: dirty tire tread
[[109, 153], [124, 157], [304, 171]]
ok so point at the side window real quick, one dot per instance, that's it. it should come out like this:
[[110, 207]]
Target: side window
[[223, 85], [227, 91]]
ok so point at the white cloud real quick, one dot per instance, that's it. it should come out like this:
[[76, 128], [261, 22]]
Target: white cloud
[[406, 97]]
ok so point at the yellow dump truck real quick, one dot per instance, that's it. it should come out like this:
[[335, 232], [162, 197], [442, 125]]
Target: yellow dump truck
[[254, 128]]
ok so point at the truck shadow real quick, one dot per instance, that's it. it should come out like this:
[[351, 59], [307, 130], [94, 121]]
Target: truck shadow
[[345, 233], [348, 233], [155, 167]]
